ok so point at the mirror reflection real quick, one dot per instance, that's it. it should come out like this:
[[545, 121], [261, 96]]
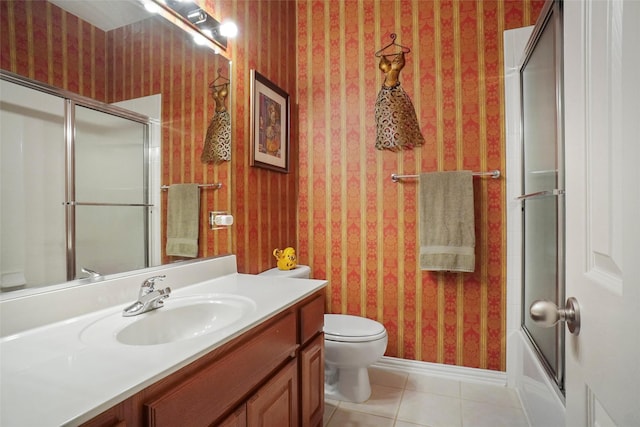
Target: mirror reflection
[[136, 89], [217, 143]]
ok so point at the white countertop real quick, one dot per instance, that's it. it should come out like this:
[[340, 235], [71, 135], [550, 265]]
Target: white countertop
[[49, 376]]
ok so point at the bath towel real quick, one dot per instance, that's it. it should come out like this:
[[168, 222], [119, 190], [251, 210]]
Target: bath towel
[[447, 233], [183, 213]]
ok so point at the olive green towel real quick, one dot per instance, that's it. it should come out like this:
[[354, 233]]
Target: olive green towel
[[447, 230], [183, 213]]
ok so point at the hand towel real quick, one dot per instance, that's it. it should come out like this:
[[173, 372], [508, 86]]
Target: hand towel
[[183, 213], [447, 232]]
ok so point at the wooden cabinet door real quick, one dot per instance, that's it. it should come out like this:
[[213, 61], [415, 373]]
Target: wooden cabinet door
[[312, 382], [204, 396], [276, 403], [237, 419]]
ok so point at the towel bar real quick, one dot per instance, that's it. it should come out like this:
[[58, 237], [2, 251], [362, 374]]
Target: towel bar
[[215, 186], [495, 174], [73, 203]]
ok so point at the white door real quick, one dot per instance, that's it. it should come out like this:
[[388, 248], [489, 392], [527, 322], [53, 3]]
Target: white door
[[602, 143]]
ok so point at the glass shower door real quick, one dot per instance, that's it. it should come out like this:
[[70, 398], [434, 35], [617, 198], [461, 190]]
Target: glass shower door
[[111, 196], [32, 177], [75, 176], [543, 186]]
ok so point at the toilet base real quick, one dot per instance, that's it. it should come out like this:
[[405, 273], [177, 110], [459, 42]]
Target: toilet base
[[347, 384]]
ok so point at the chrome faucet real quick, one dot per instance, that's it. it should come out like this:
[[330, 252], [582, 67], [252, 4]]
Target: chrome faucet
[[149, 298], [92, 274]]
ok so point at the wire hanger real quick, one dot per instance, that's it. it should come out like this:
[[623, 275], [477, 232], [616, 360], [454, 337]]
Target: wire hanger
[[225, 81], [393, 36]]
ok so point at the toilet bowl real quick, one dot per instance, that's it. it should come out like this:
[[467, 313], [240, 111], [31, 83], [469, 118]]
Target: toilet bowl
[[352, 343]]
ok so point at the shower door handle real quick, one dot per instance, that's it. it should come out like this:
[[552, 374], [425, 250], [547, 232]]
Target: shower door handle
[[547, 314], [539, 194]]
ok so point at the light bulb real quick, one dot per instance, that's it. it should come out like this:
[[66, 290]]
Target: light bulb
[[199, 39], [151, 7], [228, 29]]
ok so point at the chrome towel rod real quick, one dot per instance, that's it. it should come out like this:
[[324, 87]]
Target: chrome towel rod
[[215, 186], [495, 174], [72, 203]]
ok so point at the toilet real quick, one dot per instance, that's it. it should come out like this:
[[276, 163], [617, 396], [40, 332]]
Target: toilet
[[352, 343], [299, 272]]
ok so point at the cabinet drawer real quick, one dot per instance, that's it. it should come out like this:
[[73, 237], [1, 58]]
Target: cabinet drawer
[[207, 395], [311, 318]]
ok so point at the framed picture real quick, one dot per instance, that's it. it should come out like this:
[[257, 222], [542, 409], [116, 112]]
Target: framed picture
[[269, 125]]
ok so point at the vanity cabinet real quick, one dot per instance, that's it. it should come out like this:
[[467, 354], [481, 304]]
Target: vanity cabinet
[[272, 375], [311, 362], [276, 403], [237, 419]]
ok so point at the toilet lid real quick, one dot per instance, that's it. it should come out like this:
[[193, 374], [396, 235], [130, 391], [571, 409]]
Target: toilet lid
[[347, 328], [299, 272]]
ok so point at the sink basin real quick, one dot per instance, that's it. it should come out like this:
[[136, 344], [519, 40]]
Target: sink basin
[[181, 318]]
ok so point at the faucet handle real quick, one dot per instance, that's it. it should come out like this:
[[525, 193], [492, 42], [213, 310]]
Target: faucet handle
[[148, 284], [164, 294], [92, 273]]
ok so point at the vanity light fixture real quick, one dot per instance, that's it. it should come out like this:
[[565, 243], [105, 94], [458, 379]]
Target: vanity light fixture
[[197, 16], [198, 19], [228, 30]]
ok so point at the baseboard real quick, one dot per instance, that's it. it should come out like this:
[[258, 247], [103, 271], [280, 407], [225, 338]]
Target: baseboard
[[460, 373]]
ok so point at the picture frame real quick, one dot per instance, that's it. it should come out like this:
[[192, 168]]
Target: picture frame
[[269, 125]]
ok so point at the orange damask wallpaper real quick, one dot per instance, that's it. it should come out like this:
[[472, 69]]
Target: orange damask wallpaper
[[357, 228], [263, 202], [74, 58]]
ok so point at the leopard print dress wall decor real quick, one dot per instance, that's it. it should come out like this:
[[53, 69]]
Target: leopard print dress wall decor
[[396, 121], [217, 143]]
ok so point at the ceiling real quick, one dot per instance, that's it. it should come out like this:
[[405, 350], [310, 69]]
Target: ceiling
[[105, 14]]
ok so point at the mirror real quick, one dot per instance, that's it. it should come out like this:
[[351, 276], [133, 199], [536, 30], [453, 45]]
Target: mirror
[[93, 52]]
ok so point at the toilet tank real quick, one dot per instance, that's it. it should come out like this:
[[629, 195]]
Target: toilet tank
[[300, 272]]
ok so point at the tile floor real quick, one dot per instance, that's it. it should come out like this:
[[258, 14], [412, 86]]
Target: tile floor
[[401, 399]]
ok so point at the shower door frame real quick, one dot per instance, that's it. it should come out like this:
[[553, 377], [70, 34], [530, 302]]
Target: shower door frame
[[70, 171], [71, 100], [551, 14]]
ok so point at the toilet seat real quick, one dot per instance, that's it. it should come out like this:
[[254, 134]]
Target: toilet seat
[[347, 328]]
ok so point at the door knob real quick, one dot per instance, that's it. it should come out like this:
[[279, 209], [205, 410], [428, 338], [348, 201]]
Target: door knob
[[547, 314]]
